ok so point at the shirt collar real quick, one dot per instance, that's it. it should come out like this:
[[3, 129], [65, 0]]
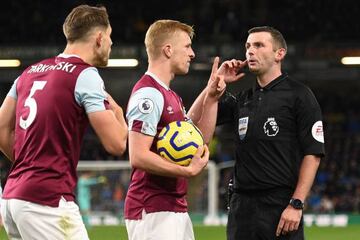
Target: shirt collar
[[157, 79], [273, 83], [64, 55]]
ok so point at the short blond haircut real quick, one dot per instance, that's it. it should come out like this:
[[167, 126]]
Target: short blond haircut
[[160, 31], [82, 20]]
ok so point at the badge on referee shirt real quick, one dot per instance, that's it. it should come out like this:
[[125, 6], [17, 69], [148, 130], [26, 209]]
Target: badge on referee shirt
[[271, 128], [317, 131], [243, 126]]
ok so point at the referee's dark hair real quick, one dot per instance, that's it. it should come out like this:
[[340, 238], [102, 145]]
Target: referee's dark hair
[[279, 40]]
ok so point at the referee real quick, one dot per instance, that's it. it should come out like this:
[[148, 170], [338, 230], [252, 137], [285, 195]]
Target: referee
[[279, 143]]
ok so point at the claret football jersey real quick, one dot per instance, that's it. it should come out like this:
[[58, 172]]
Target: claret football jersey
[[53, 99], [151, 107]]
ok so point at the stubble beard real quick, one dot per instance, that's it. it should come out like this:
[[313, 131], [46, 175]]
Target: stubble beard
[[101, 60]]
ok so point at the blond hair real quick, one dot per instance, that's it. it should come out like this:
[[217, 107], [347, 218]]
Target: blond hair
[[82, 20], [160, 31]]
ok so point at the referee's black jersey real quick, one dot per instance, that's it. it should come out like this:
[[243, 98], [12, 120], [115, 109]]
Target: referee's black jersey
[[276, 126]]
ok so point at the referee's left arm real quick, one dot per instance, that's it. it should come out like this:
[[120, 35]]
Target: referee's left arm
[[291, 217], [311, 137], [307, 173]]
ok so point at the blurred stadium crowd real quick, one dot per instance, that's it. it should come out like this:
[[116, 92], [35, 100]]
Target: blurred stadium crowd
[[337, 185], [38, 22]]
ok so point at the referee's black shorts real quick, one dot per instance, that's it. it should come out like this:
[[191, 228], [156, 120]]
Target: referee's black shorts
[[256, 215]]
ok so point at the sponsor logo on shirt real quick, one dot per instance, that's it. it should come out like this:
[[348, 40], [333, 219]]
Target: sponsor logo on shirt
[[146, 106], [271, 127], [318, 132], [170, 110], [243, 126]]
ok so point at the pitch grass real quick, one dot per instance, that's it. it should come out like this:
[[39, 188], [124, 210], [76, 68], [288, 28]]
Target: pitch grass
[[218, 233]]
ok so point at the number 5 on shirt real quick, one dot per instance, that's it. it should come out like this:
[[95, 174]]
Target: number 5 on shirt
[[31, 103]]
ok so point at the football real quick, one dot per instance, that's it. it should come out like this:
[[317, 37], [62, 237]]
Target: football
[[178, 142]]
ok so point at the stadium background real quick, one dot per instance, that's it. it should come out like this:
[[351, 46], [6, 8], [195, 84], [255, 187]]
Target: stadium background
[[319, 34]]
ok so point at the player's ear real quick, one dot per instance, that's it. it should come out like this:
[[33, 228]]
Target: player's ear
[[98, 38], [167, 50]]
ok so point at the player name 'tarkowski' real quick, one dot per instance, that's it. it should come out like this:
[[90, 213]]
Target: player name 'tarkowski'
[[63, 66]]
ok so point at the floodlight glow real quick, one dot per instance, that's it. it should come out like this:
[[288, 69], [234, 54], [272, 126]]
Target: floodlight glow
[[10, 63], [123, 62], [350, 60]]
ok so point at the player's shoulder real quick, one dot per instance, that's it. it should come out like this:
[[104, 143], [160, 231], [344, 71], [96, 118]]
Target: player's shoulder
[[89, 71], [145, 91], [147, 85], [145, 81]]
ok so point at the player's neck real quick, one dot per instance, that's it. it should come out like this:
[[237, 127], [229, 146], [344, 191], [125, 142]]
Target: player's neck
[[162, 71], [79, 50]]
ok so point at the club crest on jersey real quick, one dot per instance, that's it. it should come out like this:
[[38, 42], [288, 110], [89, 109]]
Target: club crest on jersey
[[146, 106], [318, 132], [271, 127], [243, 126]]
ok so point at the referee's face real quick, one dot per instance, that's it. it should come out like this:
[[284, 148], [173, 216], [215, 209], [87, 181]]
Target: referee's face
[[260, 52]]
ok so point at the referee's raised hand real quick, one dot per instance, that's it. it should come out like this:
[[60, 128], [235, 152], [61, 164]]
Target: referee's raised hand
[[231, 70]]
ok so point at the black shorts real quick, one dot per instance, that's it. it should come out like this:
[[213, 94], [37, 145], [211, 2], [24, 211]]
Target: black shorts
[[256, 216]]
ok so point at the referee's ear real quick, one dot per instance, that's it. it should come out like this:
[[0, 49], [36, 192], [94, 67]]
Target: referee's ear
[[280, 54]]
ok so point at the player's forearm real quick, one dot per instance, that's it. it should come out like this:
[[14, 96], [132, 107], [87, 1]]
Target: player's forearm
[[123, 128], [307, 174], [112, 135], [119, 114], [207, 122], [153, 163], [196, 109]]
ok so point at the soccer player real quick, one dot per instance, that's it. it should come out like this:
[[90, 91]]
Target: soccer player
[[85, 182], [155, 205], [279, 143], [42, 122]]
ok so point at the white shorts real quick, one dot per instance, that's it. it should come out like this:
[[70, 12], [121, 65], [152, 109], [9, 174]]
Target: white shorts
[[27, 220], [161, 226]]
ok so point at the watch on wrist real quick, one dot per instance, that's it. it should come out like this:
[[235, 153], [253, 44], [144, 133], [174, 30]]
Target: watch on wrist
[[296, 203]]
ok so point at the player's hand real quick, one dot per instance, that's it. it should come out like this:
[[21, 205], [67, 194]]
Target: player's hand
[[289, 221], [216, 84], [231, 70], [113, 105], [200, 160], [118, 111]]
